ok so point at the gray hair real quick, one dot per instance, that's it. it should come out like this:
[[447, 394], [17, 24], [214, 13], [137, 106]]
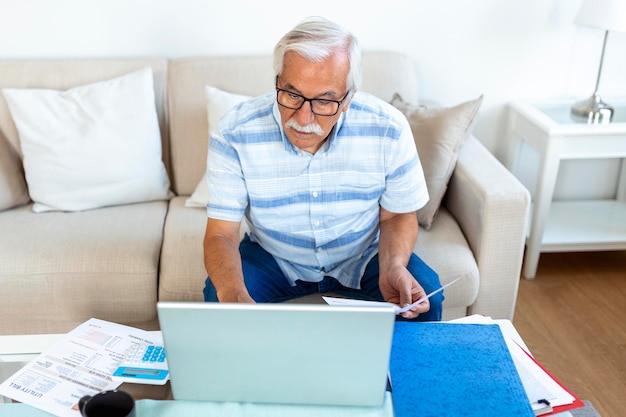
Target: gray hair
[[315, 39]]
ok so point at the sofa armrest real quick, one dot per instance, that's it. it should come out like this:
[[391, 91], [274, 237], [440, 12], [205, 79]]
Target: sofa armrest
[[491, 206]]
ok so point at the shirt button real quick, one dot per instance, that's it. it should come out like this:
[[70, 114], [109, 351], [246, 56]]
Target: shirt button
[[315, 194], [316, 223]]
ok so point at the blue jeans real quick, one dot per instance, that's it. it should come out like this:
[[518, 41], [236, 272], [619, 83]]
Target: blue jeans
[[267, 284]]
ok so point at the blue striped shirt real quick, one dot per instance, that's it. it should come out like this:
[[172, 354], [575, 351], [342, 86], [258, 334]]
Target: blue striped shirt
[[317, 214]]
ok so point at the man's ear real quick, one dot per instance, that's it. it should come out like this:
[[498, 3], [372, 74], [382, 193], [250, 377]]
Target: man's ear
[[346, 102]]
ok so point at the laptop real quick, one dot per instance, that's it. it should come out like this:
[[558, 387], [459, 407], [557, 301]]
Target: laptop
[[277, 353]]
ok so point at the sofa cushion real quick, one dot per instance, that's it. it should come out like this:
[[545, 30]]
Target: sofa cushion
[[182, 272], [384, 73], [445, 249], [64, 268], [219, 102], [13, 191], [91, 146], [438, 134], [187, 78]]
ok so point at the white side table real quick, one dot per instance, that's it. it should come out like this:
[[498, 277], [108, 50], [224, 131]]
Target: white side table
[[562, 226]]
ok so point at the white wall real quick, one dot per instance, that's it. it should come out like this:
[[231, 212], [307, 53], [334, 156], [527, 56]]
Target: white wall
[[504, 49]]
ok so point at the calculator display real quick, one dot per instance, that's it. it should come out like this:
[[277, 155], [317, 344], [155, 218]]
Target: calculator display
[[141, 371]]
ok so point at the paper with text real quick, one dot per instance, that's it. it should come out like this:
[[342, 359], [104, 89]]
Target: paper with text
[[79, 364]]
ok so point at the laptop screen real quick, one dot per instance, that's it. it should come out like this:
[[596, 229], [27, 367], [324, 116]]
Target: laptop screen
[[277, 353]]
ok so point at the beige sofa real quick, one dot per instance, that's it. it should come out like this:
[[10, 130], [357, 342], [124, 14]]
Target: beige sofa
[[58, 269]]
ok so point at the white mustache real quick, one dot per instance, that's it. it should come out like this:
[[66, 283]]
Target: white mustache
[[310, 128]]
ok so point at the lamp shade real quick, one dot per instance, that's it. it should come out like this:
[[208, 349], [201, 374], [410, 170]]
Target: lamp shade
[[602, 14]]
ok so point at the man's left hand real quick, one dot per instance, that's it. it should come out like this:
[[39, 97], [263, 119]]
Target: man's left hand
[[399, 287]]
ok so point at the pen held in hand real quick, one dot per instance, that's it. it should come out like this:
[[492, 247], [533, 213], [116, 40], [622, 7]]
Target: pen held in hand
[[426, 297]]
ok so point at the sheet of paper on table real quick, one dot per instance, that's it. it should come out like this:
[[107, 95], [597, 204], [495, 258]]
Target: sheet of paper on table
[[80, 363]]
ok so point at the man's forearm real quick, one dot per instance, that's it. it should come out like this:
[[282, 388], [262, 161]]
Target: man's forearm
[[222, 262], [398, 234]]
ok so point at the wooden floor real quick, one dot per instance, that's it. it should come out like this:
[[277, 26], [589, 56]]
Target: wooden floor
[[572, 316]]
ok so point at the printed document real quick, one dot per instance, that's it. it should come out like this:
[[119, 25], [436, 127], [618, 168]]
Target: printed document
[[80, 363]]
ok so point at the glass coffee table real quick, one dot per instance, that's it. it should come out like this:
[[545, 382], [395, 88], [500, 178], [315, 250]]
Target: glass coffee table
[[18, 350]]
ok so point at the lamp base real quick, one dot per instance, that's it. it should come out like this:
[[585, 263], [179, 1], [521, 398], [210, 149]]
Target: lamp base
[[593, 110]]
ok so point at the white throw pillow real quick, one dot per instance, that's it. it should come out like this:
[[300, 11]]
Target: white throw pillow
[[219, 103], [91, 146]]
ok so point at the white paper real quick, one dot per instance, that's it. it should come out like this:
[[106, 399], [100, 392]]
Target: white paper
[[538, 384], [79, 364], [333, 301], [399, 310]]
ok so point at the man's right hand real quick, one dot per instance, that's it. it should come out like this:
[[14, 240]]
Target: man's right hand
[[234, 297]]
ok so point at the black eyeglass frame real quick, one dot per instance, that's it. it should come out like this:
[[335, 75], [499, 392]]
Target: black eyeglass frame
[[310, 100]]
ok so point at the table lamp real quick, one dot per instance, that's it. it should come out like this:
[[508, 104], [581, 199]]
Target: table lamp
[[607, 15]]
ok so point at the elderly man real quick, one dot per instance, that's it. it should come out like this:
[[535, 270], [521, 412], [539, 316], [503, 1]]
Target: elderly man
[[328, 180]]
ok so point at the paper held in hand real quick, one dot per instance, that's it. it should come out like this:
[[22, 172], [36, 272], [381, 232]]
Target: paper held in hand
[[334, 301]]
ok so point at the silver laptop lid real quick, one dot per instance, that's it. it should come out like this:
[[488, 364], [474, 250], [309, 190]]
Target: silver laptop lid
[[277, 353]]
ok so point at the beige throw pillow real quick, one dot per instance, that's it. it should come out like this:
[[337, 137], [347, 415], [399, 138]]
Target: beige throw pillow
[[439, 134]]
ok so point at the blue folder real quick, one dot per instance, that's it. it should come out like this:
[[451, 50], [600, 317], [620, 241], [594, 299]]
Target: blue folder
[[443, 369]]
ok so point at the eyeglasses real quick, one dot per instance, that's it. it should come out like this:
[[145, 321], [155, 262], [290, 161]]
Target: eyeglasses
[[319, 106]]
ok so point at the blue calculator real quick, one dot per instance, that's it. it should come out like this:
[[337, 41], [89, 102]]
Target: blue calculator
[[143, 364]]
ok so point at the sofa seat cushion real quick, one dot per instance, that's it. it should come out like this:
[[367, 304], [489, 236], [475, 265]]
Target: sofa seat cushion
[[64, 268], [182, 272], [445, 249]]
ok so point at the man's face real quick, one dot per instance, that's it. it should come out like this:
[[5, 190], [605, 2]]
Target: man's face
[[320, 80]]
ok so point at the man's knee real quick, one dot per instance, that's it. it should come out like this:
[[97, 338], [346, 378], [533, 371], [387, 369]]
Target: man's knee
[[429, 280], [436, 308], [210, 294]]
